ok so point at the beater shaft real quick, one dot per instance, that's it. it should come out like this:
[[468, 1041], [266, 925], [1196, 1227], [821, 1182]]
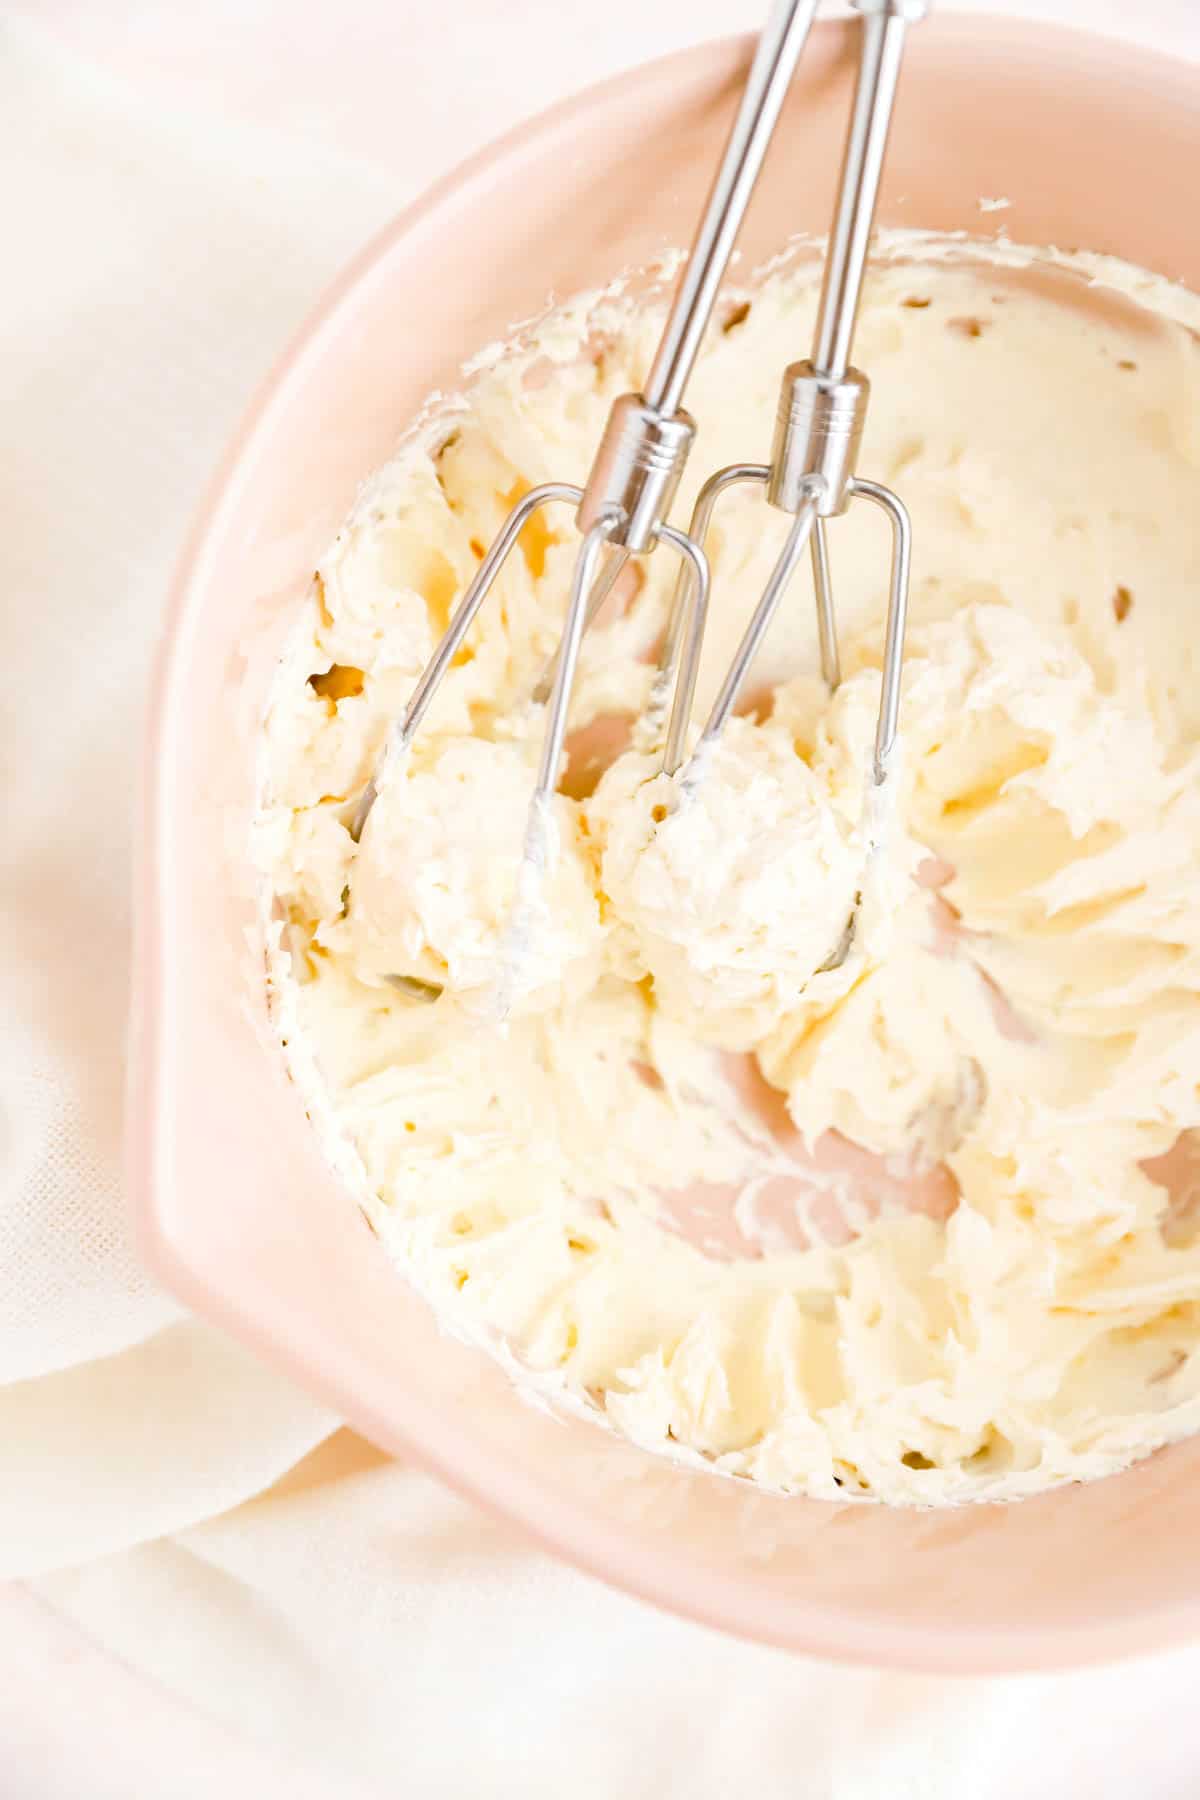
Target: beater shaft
[[885, 24], [779, 46]]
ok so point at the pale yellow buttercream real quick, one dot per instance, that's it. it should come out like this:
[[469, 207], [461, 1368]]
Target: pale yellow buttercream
[[994, 1291]]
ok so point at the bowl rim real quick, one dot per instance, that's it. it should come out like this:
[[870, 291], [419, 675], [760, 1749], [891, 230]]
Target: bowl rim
[[717, 1602]]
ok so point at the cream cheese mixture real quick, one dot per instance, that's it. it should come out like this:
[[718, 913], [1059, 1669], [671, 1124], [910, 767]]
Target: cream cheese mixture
[[919, 1226]]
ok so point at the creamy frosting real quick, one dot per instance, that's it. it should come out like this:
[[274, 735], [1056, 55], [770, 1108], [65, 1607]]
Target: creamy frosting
[[730, 893], [835, 1136], [432, 889]]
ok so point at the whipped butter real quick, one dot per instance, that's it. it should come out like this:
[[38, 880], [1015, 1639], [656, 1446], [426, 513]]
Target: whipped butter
[[911, 1221]]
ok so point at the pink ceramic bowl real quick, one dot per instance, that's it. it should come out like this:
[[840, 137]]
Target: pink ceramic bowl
[[238, 1211]]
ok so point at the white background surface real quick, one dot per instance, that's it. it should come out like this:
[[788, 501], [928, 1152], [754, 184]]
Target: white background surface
[[179, 184]]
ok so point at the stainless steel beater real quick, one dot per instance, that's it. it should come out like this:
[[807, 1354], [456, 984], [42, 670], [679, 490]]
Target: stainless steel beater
[[820, 417], [646, 441]]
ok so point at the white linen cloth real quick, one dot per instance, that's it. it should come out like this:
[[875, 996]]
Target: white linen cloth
[[179, 184]]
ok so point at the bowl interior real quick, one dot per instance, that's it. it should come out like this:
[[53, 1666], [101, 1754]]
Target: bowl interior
[[238, 1209]]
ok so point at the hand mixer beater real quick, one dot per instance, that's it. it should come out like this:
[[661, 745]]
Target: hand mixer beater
[[643, 451]]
